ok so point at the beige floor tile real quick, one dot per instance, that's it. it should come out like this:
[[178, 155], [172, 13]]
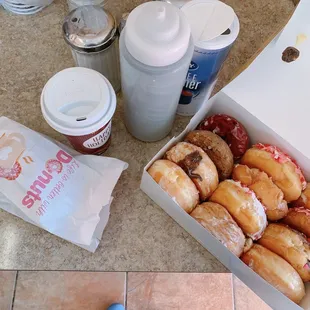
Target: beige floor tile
[[61, 290], [179, 291], [7, 283], [246, 299]]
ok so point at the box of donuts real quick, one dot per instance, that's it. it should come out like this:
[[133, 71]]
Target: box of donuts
[[236, 177]]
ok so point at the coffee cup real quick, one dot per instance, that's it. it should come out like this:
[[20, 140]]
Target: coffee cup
[[80, 103]]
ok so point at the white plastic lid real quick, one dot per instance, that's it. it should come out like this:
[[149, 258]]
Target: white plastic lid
[[78, 101], [177, 3], [214, 24], [157, 34]]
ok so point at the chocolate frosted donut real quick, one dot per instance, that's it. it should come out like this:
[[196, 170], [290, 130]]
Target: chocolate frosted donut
[[216, 148]]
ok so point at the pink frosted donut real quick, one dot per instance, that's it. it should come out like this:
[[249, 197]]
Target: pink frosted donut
[[12, 173], [283, 170], [53, 165], [281, 157]]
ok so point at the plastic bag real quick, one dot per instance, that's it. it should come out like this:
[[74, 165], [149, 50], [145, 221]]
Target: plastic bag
[[53, 187]]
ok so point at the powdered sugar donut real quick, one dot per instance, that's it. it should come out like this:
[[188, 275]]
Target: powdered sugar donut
[[53, 165], [11, 174], [230, 130]]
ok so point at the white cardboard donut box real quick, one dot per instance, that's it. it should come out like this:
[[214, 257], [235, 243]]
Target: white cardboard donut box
[[271, 98]]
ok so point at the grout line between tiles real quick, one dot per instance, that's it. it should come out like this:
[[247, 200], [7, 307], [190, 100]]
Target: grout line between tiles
[[233, 291], [14, 291], [126, 289]]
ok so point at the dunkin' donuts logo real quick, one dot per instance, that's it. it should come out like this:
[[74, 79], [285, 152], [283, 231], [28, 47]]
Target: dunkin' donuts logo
[[12, 147], [52, 167]]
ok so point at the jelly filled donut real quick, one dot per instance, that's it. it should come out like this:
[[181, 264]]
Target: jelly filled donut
[[230, 130]]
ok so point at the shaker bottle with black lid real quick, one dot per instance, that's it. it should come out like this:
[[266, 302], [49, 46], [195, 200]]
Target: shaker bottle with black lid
[[155, 51]]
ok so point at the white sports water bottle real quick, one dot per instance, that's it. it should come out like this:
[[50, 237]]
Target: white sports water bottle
[[155, 51]]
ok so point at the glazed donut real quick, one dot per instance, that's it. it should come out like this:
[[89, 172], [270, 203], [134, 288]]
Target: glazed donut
[[304, 199], [230, 130], [216, 219], [216, 148], [290, 245], [283, 170], [299, 219], [276, 271], [265, 190], [198, 166], [244, 207], [173, 180]]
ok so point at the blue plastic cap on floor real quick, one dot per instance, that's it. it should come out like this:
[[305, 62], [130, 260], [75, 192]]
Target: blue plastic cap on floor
[[116, 307]]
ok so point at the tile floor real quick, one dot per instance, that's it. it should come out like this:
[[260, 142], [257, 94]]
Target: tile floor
[[59, 290]]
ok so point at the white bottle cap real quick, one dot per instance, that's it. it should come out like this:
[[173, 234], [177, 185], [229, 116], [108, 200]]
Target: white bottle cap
[[157, 34], [78, 101], [209, 20]]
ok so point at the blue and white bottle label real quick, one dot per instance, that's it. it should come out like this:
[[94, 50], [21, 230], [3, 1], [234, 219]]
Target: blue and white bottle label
[[200, 79]]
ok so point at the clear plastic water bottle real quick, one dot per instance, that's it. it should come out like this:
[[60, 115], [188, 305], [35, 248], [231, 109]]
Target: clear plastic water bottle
[[155, 51]]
